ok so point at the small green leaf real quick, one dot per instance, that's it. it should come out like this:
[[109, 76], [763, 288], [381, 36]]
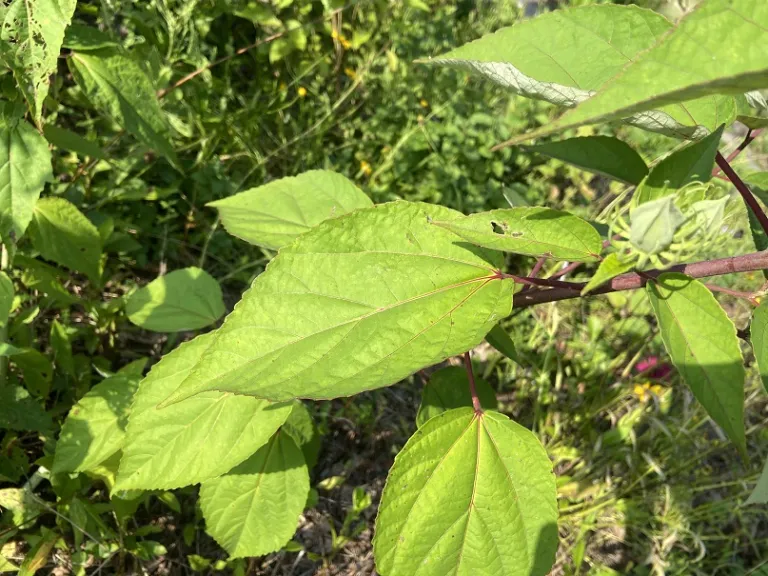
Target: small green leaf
[[275, 214], [60, 232], [531, 231], [760, 491], [194, 440], [720, 44], [301, 426], [25, 167], [6, 298], [694, 163], [654, 225], [357, 303], [31, 33], [468, 494], [602, 154], [95, 427], [448, 388], [117, 85], [500, 340], [61, 346], [81, 38], [759, 338], [688, 315], [37, 275], [37, 370], [609, 268], [254, 509], [186, 299], [67, 140], [19, 411]]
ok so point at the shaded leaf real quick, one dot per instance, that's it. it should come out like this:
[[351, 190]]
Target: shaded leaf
[[448, 388], [688, 316], [186, 299], [81, 38], [531, 231], [759, 493], [254, 509], [6, 298], [67, 140], [275, 214], [500, 340], [468, 494], [19, 411], [602, 154], [357, 303], [194, 440], [61, 233], [37, 370], [759, 339], [301, 426], [654, 225]]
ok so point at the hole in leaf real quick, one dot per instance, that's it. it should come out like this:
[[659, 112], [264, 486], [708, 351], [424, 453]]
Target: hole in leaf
[[497, 228]]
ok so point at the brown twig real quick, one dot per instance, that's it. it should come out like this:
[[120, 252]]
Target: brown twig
[[735, 293], [744, 190], [472, 388]]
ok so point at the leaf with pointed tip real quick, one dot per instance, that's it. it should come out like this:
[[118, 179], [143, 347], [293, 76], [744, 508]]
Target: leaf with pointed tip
[[25, 167], [694, 163], [544, 58], [194, 440], [721, 44], [531, 231], [254, 509], [760, 491], [357, 303], [31, 33], [116, 85], [66, 140], [500, 340], [95, 427], [60, 232], [468, 494], [759, 338], [448, 388], [688, 316], [609, 268], [654, 225], [186, 299], [301, 426], [602, 154], [275, 214]]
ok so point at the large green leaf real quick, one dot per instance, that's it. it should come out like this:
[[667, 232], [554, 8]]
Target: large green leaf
[[702, 342], [693, 163], [118, 86], [601, 154], [564, 56], [469, 495], [194, 440], [759, 338], [31, 33], [25, 167], [61, 233], [357, 303], [721, 47], [654, 224], [19, 411], [532, 231], [301, 426], [186, 299], [274, 214], [254, 509], [448, 388], [95, 427]]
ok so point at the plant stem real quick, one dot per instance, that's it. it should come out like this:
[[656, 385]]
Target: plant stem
[[743, 189], [548, 282], [472, 388], [751, 135], [734, 293], [633, 280], [4, 329]]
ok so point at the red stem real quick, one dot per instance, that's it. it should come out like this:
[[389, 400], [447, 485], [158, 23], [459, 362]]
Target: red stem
[[751, 135], [472, 388], [743, 189]]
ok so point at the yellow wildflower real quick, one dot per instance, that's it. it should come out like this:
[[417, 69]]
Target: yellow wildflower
[[345, 43], [423, 103], [335, 35], [365, 168], [646, 390], [301, 91], [420, 119], [351, 73]]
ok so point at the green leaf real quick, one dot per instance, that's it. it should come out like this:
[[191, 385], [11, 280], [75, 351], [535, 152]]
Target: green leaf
[[66, 140], [95, 427], [544, 58], [531, 231], [25, 167], [117, 85], [301, 426], [37, 275], [760, 491], [6, 565], [31, 33], [759, 338], [60, 232], [758, 184], [694, 163], [254, 509], [448, 388], [6, 298], [357, 303], [609, 268], [61, 346], [81, 38], [500, 340], [468, 495], [602, 154], [186, 299], [19, 411], [37, 370], [654, 225], [720, 43], [688, 316], [194, 440], [275, 214]]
